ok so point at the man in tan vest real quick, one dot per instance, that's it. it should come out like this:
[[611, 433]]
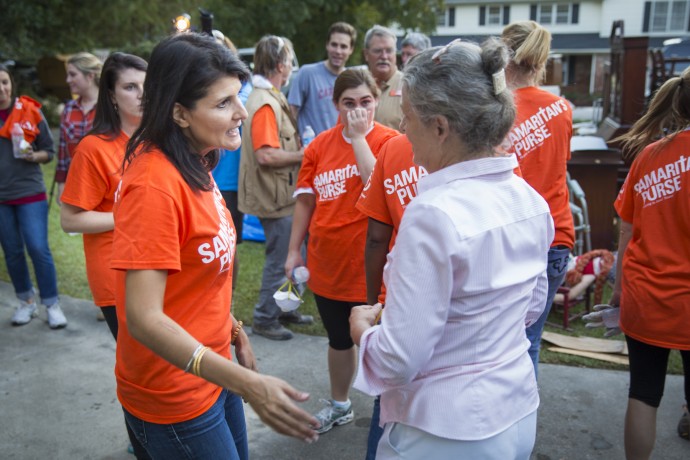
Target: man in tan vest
[[270, 160]]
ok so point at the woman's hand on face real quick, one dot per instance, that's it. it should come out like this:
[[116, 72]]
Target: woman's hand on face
[[272, 400], [294, 259], [244, 352], [362, 318], [357, 122]]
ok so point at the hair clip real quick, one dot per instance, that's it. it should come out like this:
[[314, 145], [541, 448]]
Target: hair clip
[[499, 79], [437, 55]]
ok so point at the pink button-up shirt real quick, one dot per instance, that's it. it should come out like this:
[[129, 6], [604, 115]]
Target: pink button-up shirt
[[465, 277]]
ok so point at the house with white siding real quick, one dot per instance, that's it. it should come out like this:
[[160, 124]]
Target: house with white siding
[[580, 29]]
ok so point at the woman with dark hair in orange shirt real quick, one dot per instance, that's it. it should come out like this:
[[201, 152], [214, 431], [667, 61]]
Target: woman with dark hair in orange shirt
[[173, 248], [89, 194]]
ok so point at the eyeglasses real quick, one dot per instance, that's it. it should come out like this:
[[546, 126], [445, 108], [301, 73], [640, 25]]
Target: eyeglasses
[[380, 51], [437, 55]]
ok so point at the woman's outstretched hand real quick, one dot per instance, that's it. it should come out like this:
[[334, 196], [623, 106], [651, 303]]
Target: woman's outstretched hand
[[274, 402]]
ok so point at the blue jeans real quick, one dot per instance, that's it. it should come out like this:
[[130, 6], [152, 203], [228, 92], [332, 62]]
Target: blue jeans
[[218, 433], [556, 269], [375, 431], [26, 225]]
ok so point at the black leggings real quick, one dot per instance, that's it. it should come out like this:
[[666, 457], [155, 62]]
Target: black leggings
[[111, 319], [648, 365], [335, 315]]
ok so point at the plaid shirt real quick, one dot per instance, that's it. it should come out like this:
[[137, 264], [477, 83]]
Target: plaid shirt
[[74, 124]]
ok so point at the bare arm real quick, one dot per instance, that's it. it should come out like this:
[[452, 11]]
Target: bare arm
[[78, 220], [270, 397], [375, 252], [357, 125], [276, 158], [304, 208], [295, 111], [623, 240]]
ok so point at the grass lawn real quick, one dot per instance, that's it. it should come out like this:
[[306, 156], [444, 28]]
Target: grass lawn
[[69, 259]]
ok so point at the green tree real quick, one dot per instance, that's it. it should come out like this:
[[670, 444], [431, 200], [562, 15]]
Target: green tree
[[30, 29], [306, 22], [34, 28]]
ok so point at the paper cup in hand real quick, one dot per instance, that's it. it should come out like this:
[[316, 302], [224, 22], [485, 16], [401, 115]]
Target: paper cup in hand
[[287, 297]]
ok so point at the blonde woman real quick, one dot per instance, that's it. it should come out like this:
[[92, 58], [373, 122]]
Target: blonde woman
[[541, 140], [83, 76]]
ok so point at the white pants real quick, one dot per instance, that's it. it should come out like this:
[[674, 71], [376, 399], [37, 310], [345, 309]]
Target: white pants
[[401, 441]]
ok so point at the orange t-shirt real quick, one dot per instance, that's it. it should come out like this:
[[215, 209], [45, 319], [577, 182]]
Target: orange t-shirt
[[540, 138], [391, 187], [265, 128], [655, 199], [392, 184], [162, 224], [91, 184], [337, 232]]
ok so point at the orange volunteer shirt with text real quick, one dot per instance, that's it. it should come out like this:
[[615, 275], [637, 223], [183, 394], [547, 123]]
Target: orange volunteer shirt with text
[[392, 184], [162, 224], [391, 187], [655, 199], [337, 231], [540, 138]]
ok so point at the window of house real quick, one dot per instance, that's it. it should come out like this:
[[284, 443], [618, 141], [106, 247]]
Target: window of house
[[555, 13], [545, 13], [494, 15], [441, 18], [666, 16], [563, 13], [445, 17]]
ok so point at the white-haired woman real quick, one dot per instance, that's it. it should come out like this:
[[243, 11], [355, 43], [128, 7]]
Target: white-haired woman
[[466, 275]]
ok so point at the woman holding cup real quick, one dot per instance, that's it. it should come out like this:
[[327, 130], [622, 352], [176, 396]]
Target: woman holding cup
[[24, 205]]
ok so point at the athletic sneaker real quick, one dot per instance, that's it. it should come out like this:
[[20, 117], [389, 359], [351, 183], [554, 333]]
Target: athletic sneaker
[[684, 425], [331, 415], [24, 312], [56, 319]]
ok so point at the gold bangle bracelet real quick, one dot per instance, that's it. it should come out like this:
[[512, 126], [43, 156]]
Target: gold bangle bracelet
[[196, 365], [191, 359]]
